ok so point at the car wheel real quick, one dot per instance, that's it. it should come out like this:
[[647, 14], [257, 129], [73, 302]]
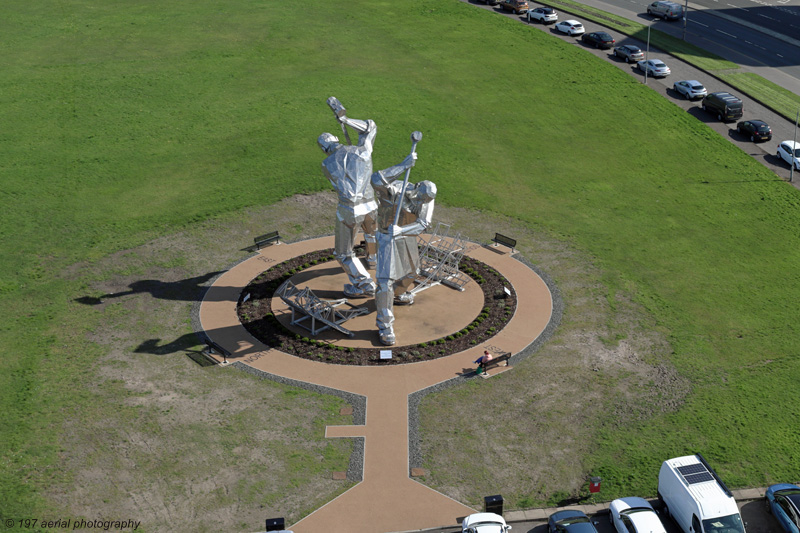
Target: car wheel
[[719, 117], [752, 138], [627, 60], [769, 507], [686, 95], [704, 107]]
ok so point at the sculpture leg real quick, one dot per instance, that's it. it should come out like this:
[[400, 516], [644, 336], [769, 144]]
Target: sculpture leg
[[360, 282], [384, 299], [369, 226], [384, 295]]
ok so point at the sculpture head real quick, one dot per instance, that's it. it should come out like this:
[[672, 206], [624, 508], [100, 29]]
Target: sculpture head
[[328, 142], [425, 191]]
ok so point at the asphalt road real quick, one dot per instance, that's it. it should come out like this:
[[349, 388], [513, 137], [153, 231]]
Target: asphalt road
[[753, 35], [764, 153]]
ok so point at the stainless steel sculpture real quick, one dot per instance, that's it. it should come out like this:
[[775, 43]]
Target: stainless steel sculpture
[[307, 305], [405, 210], [348, 168]]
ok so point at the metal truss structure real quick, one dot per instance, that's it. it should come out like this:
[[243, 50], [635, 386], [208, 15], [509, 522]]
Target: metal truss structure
[[439, 258], [306, 305]]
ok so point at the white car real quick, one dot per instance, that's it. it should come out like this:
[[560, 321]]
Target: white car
[[570, 27], [690, 89], [545, 15], [654, 67], [789, 151], [484, 523], [634, 515]]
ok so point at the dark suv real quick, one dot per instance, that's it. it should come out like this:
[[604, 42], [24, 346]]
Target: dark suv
[[724, 105]]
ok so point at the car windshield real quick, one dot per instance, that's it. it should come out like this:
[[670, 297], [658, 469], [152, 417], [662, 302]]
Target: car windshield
[[697, 87], [633, 510], [604, 36], [658, 64], [763, 127], [573, 520], [577, 26], [724, 524], [548, 10]]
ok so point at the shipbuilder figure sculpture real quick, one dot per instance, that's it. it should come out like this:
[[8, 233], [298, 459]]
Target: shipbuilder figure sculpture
[[405, 210], [348, 168]]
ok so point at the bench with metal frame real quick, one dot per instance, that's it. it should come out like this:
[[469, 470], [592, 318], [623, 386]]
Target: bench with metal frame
[[505, 241], [212, 348], [267, 238]]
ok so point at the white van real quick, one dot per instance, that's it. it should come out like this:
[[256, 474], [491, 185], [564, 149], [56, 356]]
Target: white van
[[666, 10], [696, 498]]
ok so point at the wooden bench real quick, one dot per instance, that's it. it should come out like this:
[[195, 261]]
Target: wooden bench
[[496, 360], [505, 241], [267, 238]]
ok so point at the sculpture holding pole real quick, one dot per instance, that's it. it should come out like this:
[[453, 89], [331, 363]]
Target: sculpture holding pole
[[405, 210], [348, 168]]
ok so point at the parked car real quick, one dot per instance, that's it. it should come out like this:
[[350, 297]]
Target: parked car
[[599, 39], [757, 130], [695, 497], [570, 27], [724, 105], [484, 523], [783, 501], [665, 10], [570, 522], [690, 89], [634, 515], [629, 52], [789, 151], [545, 15], [517, 6], [654, 67]]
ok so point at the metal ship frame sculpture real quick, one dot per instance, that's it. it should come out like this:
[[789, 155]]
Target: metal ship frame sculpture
[[440, 258], [306, 305]]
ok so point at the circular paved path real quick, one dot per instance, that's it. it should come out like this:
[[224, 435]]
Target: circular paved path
[[387, 499]]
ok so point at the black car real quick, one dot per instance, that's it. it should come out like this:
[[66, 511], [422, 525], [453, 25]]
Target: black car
[[724, 105], [758, 130], [598, 39]]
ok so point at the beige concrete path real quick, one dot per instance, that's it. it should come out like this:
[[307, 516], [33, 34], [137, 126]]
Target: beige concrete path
[[387, 499]]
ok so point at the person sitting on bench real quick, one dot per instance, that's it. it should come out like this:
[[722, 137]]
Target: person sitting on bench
[[482, 361]]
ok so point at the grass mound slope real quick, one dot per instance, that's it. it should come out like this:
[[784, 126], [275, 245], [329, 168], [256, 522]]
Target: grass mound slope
[[129, 122]]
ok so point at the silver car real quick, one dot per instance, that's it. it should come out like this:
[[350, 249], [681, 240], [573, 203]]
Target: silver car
[[654, 67], [690, 89], [629, 52]]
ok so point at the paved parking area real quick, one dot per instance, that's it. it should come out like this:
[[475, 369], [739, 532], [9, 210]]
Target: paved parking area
[[750, 501]]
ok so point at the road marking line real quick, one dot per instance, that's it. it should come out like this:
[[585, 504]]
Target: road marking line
[[777, 54], [726, 33], [704, 25], [766, 17]]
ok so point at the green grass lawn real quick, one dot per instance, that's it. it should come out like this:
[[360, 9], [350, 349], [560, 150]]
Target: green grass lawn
[[123, 122]]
